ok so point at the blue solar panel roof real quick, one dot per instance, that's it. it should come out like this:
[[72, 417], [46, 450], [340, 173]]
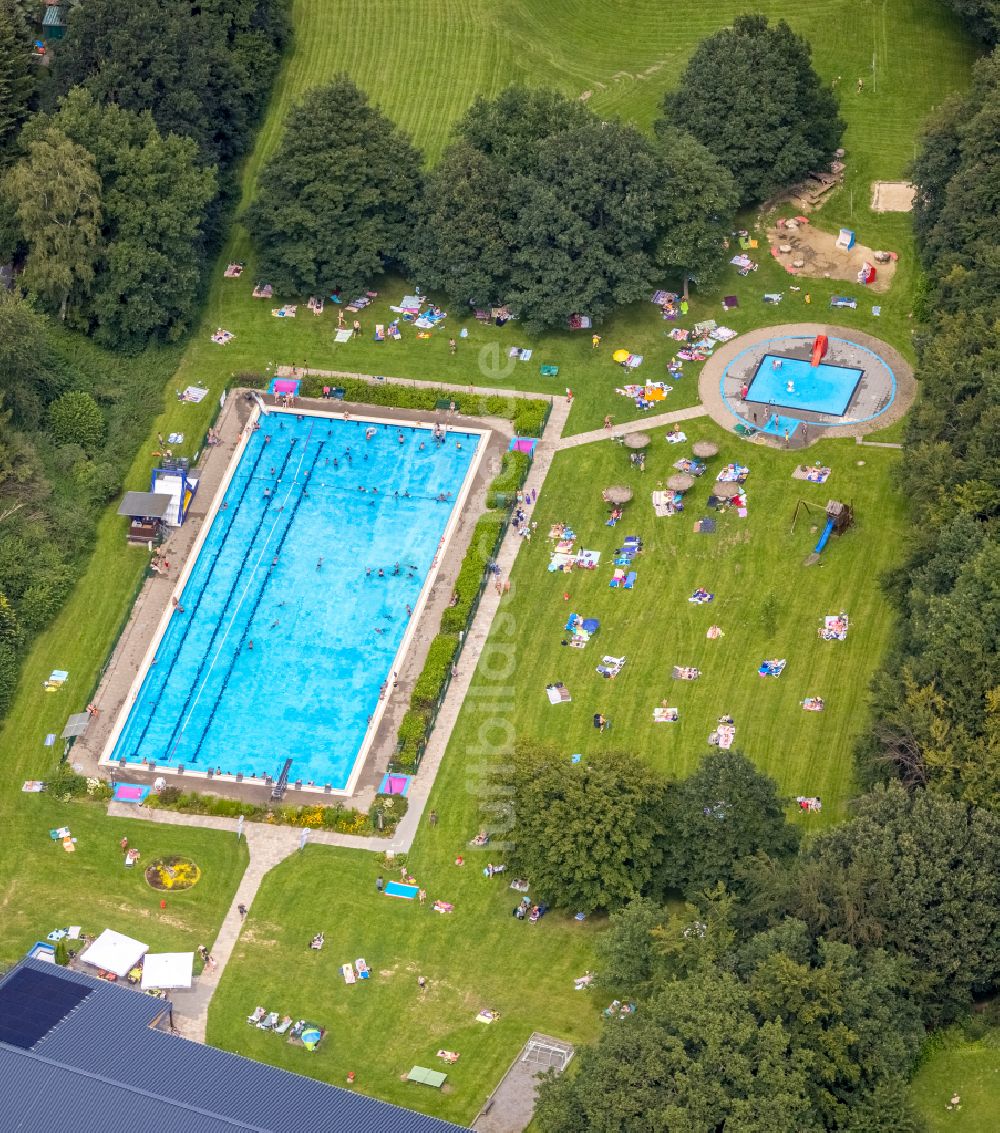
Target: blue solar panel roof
[[106, 1053], [32, 1002]]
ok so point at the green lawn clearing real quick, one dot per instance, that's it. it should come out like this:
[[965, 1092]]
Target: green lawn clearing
[[767, 602], [970, 1070], [477, 956], [43, 887]]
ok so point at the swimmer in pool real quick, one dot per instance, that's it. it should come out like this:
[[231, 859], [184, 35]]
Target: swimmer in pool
[[319, 563]]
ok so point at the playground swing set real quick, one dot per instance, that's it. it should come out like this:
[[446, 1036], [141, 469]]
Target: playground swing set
[[839, 517]]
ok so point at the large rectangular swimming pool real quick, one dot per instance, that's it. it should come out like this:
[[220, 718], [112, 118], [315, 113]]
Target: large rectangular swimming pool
[[294, 611], [794, 384]]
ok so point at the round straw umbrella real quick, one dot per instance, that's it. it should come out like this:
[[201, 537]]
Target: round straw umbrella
[[680, 481], [637, 440], [727, 491], [705, 448], [617, 494]]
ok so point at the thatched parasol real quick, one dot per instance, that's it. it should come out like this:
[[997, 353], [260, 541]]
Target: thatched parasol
[[680, 481], [637, 440], [617, 494], [727, 491], [705, 448]]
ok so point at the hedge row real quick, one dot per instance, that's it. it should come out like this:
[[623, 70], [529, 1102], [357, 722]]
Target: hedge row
[[436, 670], [433, 678], [513, 472], [344, 820], [527, 415]]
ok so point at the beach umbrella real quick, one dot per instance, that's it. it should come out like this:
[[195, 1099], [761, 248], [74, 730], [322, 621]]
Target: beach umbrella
[[680, 481], [617, 494], [727, 491], [637, 440], [705, 448], [620, 355]]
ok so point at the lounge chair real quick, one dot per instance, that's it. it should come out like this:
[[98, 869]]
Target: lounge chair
[[610, 667], [269, 1021], [283, 1026], [629, 583], [256, 1017], [362, 969]]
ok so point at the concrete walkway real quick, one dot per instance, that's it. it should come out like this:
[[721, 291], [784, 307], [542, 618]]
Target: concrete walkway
[[640, 426]]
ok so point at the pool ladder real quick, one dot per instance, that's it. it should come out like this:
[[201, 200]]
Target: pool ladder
[[279, 788]]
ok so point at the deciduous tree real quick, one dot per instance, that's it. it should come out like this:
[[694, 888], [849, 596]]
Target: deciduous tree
[[58, 195], [335, 201], [586, 834], [723, 813], [155, 195], [750, 94], [918, 875], [697, 204]]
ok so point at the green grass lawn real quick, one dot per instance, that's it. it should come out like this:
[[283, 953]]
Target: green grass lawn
[[972, 1071], [477, 956], [768, 604], [41, 886]]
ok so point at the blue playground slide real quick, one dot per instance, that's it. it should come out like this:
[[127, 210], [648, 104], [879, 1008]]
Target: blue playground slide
[[826, 535]]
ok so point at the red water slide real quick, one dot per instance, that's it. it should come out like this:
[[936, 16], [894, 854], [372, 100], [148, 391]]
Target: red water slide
[[820, 347]]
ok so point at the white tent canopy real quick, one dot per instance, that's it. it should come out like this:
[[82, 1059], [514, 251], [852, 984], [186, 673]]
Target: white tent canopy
[[165, 970], [114, 952]]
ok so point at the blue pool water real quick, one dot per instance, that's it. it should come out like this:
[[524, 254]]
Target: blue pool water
[[284, 643], [822, 388]]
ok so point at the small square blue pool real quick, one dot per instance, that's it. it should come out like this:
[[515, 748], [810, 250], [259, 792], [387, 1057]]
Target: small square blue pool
[[792, 383]]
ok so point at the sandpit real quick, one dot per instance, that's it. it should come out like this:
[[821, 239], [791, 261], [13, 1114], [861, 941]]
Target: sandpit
[[820, 258], [892, 196]]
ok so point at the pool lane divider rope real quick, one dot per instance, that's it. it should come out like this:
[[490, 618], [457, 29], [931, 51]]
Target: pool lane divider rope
[[197, 604], [268, 576], [171, 744]]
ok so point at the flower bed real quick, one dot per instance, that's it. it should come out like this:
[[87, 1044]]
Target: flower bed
[[172, 875]]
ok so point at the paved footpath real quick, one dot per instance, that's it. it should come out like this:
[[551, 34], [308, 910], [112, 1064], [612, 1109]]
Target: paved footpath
[[639, 426]]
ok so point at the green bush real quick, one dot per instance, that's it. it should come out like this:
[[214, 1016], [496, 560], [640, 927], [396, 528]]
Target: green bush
[[396, 804], [507, 483], [76, 418], [530, 417], [413, 728], [436, 671], [64, 783]]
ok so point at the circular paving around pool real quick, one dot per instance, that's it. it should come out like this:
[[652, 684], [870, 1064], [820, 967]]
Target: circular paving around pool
[[796, 383]]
